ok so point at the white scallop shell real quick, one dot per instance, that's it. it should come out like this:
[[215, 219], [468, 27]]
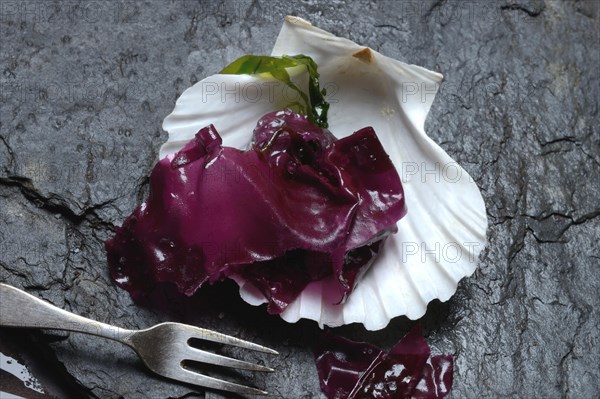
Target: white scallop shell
[[438, 241]]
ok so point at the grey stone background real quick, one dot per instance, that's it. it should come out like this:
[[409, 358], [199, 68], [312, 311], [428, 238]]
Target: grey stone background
[[86, 85]]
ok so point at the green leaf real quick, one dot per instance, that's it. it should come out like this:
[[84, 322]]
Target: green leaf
[[315, 106]]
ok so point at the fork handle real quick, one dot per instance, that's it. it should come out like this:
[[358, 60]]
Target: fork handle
[[20, 309]]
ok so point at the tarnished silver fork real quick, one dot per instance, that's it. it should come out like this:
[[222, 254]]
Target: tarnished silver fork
[[164, 348]]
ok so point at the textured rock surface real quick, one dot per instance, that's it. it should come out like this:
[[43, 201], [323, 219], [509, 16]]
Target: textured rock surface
[[85, 88]]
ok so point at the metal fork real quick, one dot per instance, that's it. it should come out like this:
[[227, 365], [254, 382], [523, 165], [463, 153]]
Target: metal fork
[[163, 348]]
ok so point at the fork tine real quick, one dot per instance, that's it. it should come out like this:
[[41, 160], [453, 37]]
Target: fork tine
[[205, 381], [201, 356], [213, 336]]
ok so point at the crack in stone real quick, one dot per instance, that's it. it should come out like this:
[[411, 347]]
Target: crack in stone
[[13, 271], [387, 26], [12, 162], [542, 241], [254, 8], [438, 4], [56, 204], [590, 156], [561, 231], [560, 140], [520, 7], [190, 33], [583, 318], [508, 288]]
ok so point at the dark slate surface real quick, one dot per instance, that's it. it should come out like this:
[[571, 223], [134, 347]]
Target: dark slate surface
[[85, 88]]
